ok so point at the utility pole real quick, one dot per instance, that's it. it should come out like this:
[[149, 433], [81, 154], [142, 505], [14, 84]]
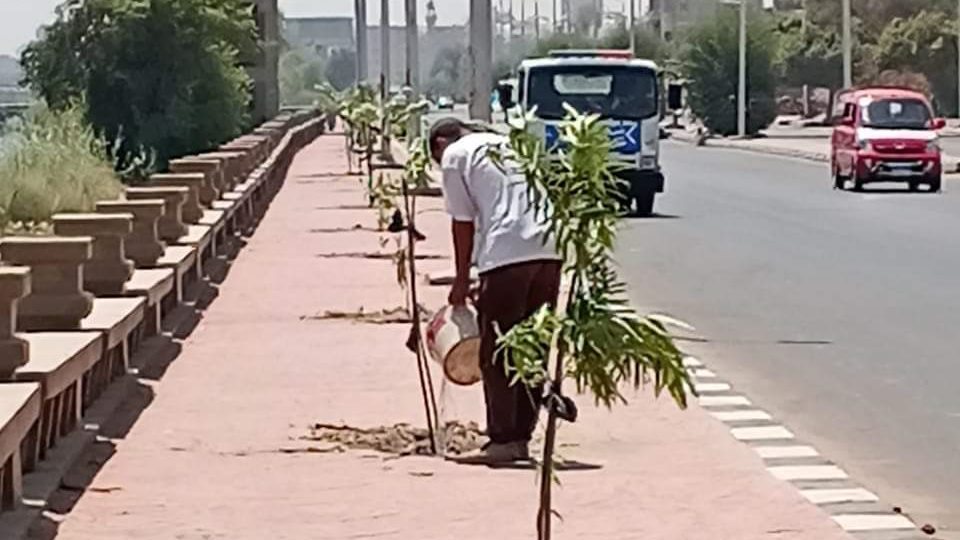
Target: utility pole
[[958, 59], [523, 18], [480, 54], [510, 22], [632, 22], [847, 45], [385, 49], [742, 79], [413, 47], [536, 20], [556, 21], [363, 52]]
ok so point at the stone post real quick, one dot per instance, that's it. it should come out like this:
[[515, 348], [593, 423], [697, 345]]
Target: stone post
[[108, 271], [192, 209], [57, 300], [170, 227], [14, 352], [232, 165], [212, 176], [143, 244]]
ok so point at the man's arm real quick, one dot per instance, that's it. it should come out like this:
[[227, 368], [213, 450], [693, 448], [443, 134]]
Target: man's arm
[[463, 254]]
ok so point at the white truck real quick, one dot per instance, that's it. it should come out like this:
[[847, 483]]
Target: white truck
[[623, 90]]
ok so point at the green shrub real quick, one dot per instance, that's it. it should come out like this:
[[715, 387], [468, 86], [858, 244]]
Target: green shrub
[[51, 161], [711, 63]]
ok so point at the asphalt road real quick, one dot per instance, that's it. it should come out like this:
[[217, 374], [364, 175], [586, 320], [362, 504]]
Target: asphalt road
[[837, 312]]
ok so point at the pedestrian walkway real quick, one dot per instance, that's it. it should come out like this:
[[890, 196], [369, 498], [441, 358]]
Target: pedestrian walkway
[[218, 449]]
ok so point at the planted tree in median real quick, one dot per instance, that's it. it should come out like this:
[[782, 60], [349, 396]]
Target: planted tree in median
[[594, 338]]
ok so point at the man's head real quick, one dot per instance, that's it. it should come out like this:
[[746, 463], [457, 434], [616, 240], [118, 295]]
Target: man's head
[[445, 132]]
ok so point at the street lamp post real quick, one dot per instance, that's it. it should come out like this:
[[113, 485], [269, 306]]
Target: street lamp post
[[385, 49], [413, 47], [360, 17], [742, 75], [632, 18], [847, 45]]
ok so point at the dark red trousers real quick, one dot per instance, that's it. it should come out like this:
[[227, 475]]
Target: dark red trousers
[[509, 295]]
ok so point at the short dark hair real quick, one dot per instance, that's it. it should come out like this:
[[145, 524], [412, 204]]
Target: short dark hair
[[446, 128]]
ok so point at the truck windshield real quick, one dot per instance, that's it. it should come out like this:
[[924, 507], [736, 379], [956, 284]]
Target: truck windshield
[[619, 92], [901, 113]]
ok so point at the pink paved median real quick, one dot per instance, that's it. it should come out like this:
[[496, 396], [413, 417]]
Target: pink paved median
[[217, 453]]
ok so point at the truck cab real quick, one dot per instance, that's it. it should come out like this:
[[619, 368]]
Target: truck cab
[[624, 91]]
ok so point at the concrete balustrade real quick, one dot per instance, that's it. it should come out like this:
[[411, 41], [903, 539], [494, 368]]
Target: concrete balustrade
[[192, 209], [212, 176], [14, 351], [108, 270], [143, 244], [57, 300], [233, 165], [170, 227], [61, 348]]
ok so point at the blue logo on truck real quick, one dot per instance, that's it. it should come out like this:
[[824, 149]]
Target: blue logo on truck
[[624, 137]]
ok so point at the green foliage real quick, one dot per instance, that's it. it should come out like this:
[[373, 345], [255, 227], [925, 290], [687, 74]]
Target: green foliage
[[599, 341], [602, 341], [159, 74], [341, 71], [924, 43], [448, 74], [809, 54], [301, 71], [711, 62], [51, 161]]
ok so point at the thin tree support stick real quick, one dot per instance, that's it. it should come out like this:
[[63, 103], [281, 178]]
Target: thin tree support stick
[[545, 515], [426, 381]]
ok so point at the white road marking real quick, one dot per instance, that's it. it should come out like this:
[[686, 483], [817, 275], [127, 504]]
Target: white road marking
[[723, 401], [741, 416], [704, 388], [704, 373], [873, 522], [832, 496], [786, 452], [808, 472], [762, 433], [692, 362]]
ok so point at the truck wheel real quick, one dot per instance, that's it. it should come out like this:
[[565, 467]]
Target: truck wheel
[[644, 204]]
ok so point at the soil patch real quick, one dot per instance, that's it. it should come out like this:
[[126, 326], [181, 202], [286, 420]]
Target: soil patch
[[400, 439]]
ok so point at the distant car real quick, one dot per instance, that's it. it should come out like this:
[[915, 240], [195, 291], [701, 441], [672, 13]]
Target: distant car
[[885, 135], [444, 102]]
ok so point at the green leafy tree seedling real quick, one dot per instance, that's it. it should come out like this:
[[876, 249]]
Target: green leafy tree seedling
[[594, 338]]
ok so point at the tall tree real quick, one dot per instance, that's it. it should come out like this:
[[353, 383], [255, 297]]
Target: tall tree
[[158, 74]]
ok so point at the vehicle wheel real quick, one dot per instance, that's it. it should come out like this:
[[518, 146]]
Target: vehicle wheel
[[936, 185], [857, 184], [645, 202]]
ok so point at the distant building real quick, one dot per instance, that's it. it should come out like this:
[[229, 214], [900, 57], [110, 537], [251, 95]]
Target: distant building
[[324, 32]]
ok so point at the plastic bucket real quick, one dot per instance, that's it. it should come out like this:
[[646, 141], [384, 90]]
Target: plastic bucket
[[453, 340]]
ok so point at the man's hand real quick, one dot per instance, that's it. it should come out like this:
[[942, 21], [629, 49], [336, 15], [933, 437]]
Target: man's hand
[[459, 292]]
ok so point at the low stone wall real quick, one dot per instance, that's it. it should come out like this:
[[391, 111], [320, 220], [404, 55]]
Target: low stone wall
[[76, 306]]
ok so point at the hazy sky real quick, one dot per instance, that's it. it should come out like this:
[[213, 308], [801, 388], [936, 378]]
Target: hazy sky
[[19, 19]]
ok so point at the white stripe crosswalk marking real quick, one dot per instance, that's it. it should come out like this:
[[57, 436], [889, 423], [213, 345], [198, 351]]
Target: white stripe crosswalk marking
[[723, 401], [873, 522], [808, 472], [741, 416], [834, 496], [786, 452], [762, 433]]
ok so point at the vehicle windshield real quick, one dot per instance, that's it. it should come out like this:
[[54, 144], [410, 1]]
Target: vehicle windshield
[[619, 92], [898, 113]]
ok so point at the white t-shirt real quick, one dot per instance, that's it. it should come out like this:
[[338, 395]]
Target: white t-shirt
[[508, 229]]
